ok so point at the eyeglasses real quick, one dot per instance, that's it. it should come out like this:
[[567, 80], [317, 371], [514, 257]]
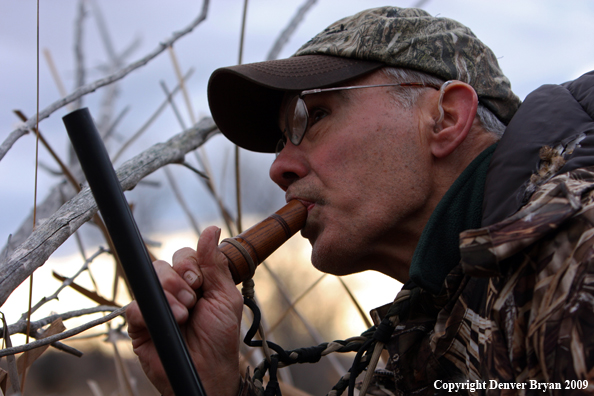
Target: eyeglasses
[[297, 117]]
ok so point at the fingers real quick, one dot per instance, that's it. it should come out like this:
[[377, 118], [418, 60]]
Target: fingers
[[180, 295], [187, 275], [137, 328], [191, 265], [211, 320], [185, 263], [212, 262], [134, 317]]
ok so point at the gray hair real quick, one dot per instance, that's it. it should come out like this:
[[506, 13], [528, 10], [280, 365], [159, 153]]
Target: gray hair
[[408, 96]]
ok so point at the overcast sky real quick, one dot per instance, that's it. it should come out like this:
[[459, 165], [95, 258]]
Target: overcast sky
[[536, 42]]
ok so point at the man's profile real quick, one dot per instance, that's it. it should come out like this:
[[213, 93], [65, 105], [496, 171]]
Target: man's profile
[[403, 138]]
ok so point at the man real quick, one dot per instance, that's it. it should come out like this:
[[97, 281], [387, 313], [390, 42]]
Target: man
[[386, 127]]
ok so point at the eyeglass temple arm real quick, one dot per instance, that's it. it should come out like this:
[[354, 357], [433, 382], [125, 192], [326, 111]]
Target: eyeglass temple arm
[[318, 90]]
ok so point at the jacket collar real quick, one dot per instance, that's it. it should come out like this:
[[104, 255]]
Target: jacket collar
[[437, 252]]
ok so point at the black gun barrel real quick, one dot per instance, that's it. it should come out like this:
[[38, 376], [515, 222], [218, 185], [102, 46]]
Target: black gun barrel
[[133, 254]]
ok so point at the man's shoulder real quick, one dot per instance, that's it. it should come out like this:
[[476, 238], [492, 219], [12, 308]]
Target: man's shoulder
[[558, 212], [549, 135]]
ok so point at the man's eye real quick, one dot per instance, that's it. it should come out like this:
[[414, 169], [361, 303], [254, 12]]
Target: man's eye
[[316, 114]]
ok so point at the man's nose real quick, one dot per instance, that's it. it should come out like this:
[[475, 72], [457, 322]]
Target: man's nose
[[289, 166]]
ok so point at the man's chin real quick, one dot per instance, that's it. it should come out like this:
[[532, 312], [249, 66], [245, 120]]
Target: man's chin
[[329, 263]]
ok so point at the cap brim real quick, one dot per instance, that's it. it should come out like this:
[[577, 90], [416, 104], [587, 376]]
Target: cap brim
[[245, 99]]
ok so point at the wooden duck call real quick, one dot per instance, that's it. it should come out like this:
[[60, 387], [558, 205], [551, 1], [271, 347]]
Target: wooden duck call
[[247, 250]]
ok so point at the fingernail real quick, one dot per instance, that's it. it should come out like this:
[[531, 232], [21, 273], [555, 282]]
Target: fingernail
[[186, 298], [190, 277], [218, 234]]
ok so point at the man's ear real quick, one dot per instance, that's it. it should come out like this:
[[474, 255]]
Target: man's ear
[[459, 103]]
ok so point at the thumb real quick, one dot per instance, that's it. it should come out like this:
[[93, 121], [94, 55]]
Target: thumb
[[212, 262]]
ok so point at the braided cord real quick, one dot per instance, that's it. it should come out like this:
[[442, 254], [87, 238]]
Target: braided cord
[[368, 348]]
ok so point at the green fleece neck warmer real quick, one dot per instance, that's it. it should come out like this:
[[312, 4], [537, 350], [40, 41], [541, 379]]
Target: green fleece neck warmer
[[460, 209]]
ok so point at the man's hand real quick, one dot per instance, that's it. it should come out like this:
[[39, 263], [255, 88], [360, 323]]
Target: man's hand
[[207, 306]]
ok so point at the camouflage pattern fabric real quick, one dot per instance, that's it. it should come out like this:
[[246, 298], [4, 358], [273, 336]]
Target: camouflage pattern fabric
[[411, 38], [517, 312]]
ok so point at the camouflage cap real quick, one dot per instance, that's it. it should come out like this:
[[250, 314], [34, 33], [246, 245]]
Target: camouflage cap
[[387, 36]]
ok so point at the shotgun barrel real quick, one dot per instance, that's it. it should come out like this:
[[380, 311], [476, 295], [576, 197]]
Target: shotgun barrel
[[130, 248]]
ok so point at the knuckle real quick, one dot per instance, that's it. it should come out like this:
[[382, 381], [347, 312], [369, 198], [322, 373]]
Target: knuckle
[[161, 266], [184, 255], [169, 282]]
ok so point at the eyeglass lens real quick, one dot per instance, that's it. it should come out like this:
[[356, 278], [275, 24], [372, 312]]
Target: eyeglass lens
[[279, 146], [297, 120]]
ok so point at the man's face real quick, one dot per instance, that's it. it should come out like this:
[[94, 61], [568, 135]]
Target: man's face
[[363, 171]]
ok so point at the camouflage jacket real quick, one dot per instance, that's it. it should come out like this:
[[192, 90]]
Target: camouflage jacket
[[515, 315], [517, 311]]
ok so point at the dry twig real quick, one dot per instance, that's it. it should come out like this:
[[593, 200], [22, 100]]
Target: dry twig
[[61, 336], [46, 238], [118, 75], [289, 30]]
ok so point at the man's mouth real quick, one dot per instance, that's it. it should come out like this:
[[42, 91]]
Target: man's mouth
[[307, 200], [308, 204]]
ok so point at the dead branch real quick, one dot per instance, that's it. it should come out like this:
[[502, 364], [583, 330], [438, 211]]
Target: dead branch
[[21, 325], [55, 198], [61, 336], [78, 52], [338, 367], [63, 167], [13, 374], [182, 202], [48, 236], [227, 218], [92, 295], [103, 32], [64, 284], [114, 62], [289, 30], [28, 358], [43, 114], [151, 119], [112, 127], [60, 193]]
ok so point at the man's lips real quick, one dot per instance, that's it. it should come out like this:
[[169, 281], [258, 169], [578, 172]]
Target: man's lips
[[308, 204]]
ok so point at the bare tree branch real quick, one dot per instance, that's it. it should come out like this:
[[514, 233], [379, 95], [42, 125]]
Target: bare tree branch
[[182, 202], [64, 284], [111, 128], [48, 236], [420, 3], [61, 336], [114, 62], [338, 367], [78, 51], [19, 132], [12, 368], [55, 198], [21, 325], [103, 32], [289, 30], [80, 71], [60, 193], [151, 119]]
